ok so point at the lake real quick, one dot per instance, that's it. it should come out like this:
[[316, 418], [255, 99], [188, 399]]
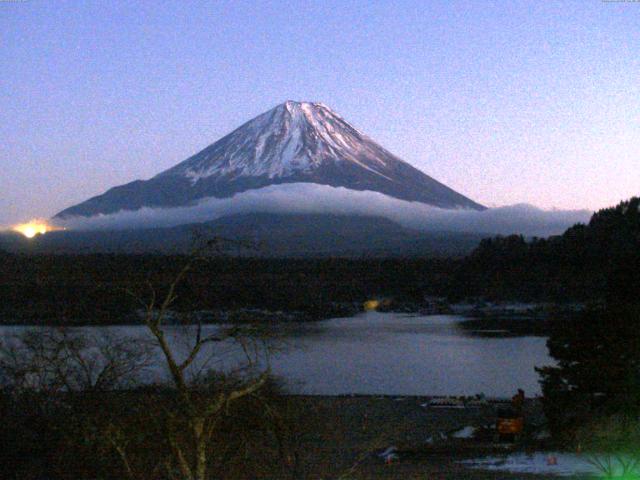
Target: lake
[[389, 354]]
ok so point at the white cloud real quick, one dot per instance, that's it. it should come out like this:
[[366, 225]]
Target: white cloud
[[314, 198]]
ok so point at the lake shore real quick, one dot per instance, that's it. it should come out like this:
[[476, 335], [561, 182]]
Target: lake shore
[[352, 431]]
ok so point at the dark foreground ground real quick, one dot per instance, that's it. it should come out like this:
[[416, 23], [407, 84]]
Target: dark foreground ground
[[264, 437], [350, 431]]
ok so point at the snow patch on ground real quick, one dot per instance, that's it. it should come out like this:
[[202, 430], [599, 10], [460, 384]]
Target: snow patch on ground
[[390, 454], [466, 432], [541, 463]]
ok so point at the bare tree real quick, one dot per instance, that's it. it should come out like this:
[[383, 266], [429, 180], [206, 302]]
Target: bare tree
[[64, 382], [54, 360], [201, 399], [178, 420]]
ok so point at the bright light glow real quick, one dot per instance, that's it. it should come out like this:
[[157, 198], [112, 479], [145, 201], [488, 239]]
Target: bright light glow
[[33, 228], [371, 305]]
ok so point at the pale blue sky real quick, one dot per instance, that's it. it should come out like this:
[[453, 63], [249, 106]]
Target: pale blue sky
[[505, 101]]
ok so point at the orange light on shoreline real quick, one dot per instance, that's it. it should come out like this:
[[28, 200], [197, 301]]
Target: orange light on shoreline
[[33, 228]]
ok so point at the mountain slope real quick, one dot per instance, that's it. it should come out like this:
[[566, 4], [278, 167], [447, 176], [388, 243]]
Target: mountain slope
[[294, 142], [267, 235]]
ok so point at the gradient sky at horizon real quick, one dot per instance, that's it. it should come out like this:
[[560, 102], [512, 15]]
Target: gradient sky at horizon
[[506, 102]]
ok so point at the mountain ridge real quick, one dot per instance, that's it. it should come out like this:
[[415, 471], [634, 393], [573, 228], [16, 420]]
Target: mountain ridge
[[262, 235], [291, 143]]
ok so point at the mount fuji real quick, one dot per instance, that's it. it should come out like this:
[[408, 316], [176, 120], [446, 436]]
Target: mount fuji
[[295, 142]]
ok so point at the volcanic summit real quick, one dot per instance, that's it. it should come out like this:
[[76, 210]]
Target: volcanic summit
[[295, 142]]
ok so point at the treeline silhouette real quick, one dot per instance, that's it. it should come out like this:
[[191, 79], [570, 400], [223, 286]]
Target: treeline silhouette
[[104, 289], [591, 394], [592, 262], [588, 263]]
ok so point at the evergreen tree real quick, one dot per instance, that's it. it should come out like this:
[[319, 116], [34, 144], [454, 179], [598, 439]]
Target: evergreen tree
[[598, 369]]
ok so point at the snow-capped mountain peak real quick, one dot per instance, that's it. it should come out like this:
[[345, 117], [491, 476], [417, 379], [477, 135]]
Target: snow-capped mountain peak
[[292, 138], [295, 142]]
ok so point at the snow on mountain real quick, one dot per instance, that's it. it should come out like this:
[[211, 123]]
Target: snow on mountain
[[292, 138], [295, 142]]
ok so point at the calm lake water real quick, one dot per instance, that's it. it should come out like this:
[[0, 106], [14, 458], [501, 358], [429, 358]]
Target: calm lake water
[[388, 353]]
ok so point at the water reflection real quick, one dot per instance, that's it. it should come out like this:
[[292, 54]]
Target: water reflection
[[384, 353], [379, 353]]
